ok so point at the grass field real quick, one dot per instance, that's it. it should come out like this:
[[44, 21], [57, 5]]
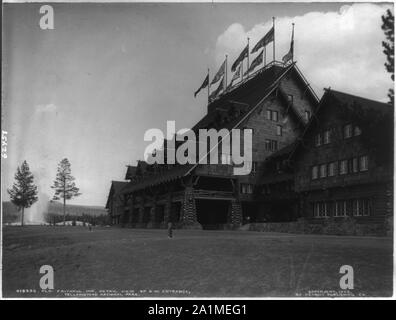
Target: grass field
[[193, 263]]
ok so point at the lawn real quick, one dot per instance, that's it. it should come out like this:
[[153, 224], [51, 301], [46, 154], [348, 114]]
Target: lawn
[[145, 263]]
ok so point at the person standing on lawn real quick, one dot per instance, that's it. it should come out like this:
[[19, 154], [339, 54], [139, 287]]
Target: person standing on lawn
[[170, 229]]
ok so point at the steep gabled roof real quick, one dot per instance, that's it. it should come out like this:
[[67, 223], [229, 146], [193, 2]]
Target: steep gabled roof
[[341, 98], [228, 111], [131, 172], [115, 188]]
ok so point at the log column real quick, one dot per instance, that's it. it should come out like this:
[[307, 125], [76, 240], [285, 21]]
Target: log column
[[235, 213], [189, 211]]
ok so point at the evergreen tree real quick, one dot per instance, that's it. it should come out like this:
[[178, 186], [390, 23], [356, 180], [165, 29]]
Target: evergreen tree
[[64, 185], [23, 192], [389, 47]]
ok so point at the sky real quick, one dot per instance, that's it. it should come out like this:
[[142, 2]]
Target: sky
[[90, 88]]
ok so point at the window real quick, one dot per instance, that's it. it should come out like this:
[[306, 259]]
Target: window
[[366, 207], [271, 145], [331, 170], [320, 209], [254, 166], [307, 115], [278, 130], [357, 131], [322, 170], [266, 189], [290, 99], [246, 188], [343, 166], [326, 137], [347, 131], [272, 115], [340, 208], [363, 163], [314, 172], [318, 140], [355, 165]]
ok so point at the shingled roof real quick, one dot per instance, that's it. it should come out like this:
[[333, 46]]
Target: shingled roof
[[158, 177], [227, 112], [115, 188], [342, 98]]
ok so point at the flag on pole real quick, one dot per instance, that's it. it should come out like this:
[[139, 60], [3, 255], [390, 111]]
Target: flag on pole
[[269, 37], [256, 62], [203, 85], [241, 57], [219, 73], [236, 75], [215, 93], [289, 56]]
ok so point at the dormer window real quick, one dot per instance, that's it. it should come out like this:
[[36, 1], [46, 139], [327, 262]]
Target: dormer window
[[307, 115], [318, 140], [347, 131], [357, 131]]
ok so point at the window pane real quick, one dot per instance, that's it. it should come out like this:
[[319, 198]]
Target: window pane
[[275, 115], [363, 163], [269, 114], [315, 172], [278, 130]]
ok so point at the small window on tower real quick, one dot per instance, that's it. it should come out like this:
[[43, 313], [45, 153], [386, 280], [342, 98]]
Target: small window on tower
[[278, 130], [307, 115]]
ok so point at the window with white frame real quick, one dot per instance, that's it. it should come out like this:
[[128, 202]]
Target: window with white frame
[[363, 163], [343, 166], [314, 173]]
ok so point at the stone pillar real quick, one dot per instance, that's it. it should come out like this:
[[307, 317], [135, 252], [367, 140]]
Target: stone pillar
[[189, 211], [235, 213]]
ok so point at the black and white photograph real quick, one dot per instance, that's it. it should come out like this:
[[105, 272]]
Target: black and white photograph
[[197, 150]]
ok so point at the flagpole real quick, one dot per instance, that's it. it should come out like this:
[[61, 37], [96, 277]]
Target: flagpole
[[248, 58], [208, 85], [265, 56], [273, 47], [225, 86], [293, 41]]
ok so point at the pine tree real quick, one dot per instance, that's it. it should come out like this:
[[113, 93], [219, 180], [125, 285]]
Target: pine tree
[[389, 47], [64, 185], [23, 192]]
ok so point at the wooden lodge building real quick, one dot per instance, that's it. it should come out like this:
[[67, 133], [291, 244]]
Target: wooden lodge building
[[311, 160]]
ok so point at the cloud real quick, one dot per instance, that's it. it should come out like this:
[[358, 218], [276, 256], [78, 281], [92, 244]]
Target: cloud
[[41, 108], [339, 49]]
